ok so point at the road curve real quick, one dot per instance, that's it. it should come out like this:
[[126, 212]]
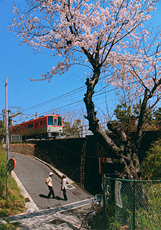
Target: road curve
[[32, 174]]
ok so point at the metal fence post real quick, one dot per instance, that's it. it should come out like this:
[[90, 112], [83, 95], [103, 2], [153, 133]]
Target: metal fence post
[[133, 204], [104, 203]]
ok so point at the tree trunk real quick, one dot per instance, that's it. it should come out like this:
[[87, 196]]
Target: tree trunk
[[127, 150]]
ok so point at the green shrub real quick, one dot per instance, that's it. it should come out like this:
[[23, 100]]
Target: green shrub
[[151, 165], [2, 132], [9, 226], [15, 203], [3, 160]]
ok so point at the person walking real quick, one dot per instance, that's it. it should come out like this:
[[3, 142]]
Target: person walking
[[64, 186], [50, 185]]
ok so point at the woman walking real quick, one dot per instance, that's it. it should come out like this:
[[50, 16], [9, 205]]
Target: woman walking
[[64, 186]]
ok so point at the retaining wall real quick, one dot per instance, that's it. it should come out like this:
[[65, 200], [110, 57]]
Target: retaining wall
[[78, 158]]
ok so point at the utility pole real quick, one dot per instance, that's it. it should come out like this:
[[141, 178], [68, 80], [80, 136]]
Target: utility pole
[[6, 114], [7, 139], [7, 143], [8, 128]]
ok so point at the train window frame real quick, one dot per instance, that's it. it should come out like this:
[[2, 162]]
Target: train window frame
[[36, 125], [59, 121], [30, 126], [50, 120], [55, 122]]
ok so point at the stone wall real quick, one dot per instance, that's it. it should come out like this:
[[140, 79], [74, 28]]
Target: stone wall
[[27, 149]]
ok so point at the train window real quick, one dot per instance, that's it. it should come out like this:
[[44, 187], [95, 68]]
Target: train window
[[30, 126], [50, 120], [55, 122], [24, 127], [44, 123], [37, 124], [40, 123], [59, 121]]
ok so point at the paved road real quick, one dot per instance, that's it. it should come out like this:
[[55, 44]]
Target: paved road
[[32, 174]]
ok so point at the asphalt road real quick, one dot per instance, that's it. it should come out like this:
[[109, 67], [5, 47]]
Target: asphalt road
[[32, 174]]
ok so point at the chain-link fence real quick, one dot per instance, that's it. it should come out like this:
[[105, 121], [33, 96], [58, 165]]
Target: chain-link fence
[[133, 204]]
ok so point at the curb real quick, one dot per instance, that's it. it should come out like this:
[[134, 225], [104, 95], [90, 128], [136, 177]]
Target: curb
[[30, 205], [51, 211], [56, 171]]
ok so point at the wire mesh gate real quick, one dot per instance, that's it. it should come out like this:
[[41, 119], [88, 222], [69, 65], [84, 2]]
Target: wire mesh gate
[[135, 204]]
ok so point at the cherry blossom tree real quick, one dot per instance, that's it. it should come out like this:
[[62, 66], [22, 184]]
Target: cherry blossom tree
[[106, 36]]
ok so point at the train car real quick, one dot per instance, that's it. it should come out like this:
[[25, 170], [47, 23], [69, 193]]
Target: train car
[[44, 127]]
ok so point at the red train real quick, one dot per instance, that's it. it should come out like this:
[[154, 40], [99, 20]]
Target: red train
[[45, 127]]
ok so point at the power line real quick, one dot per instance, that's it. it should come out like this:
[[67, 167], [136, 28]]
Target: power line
[[52, 88], [62, 96], [56, 98]]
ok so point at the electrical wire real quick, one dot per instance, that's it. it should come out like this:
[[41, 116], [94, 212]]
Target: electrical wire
[[78, 90]]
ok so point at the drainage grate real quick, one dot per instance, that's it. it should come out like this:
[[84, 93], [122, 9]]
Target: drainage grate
[[76, 193], [27, 200], [57, 221], [69, 186]]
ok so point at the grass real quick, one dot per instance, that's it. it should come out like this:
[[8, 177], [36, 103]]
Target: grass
[[15, 203], [147, 210]]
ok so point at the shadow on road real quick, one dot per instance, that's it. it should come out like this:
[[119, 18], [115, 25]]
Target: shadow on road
[[44, 196]]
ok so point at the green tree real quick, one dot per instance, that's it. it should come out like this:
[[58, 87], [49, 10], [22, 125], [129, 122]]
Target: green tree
[[72, 130], [151, 165], [2, 132], [127, 114]]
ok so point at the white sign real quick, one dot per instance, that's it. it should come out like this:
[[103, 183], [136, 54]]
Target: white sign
[[118, 193], [109, 160]]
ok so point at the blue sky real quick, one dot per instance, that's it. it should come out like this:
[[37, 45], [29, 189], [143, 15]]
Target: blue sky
[[18, 64]]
